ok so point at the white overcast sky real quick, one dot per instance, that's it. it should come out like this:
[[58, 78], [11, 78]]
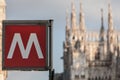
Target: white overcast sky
[[56, 9]]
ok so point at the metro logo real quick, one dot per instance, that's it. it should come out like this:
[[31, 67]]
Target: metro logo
[[25, 45], [25, 53]]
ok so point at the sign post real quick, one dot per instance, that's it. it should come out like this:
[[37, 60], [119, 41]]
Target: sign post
[[27, 45], [51, 71]]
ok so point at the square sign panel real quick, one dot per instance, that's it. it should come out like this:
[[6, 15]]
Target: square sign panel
[[25, 45]]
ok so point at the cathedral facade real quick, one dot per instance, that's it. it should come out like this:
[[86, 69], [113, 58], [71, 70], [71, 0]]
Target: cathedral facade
[[3, 74], [90, 55]]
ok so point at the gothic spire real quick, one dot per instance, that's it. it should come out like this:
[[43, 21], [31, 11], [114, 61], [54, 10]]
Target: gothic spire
[[110, 19], [102, 27], [82, 20], [67, 26], [67, 20], [102, 20], [73, 17]]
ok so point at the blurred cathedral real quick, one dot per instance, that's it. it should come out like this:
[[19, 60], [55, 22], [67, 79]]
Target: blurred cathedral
[[90, 55], [3, 74]]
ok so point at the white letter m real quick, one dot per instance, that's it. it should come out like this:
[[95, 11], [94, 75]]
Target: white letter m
[[25, 52]]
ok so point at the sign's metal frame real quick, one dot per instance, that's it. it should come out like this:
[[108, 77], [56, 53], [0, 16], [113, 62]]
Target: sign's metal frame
[[48, 24]]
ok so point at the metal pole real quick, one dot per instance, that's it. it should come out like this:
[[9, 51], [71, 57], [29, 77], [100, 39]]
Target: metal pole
[[51, 71]]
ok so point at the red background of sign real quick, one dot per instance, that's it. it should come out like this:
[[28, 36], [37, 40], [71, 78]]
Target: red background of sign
[[33, 61]]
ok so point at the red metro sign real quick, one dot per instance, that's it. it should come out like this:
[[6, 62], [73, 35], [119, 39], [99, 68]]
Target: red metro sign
[[25, 45]]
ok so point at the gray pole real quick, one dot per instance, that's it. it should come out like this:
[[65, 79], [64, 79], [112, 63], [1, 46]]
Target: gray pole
[[51, 71]]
